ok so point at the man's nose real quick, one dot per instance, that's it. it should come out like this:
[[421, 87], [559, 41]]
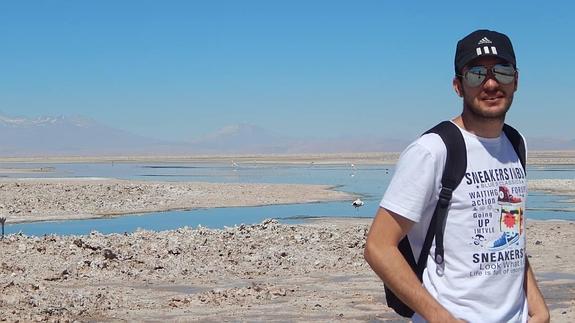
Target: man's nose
[[491, 82]]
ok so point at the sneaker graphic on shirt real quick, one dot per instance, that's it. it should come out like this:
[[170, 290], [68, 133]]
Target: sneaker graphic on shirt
[[511, 224], [506, 239], [506, 197]]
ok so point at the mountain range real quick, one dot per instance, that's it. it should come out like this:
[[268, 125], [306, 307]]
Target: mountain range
[[64, 136], [82, 136]]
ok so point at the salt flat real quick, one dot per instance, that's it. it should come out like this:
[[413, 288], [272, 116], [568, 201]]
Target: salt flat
[[263, 272]]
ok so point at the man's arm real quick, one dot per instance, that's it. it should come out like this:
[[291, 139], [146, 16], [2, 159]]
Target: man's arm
[[384, 257], [538, 311]]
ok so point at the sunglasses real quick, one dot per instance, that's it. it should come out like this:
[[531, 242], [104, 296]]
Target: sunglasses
[[476, 75]]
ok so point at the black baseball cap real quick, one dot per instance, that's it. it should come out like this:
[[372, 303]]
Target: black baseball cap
[[483, 42]]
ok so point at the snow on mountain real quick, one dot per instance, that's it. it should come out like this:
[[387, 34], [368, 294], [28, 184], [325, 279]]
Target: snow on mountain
[[8, 121], [46, 135]]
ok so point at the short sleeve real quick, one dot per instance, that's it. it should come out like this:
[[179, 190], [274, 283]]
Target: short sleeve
[[415, 183]]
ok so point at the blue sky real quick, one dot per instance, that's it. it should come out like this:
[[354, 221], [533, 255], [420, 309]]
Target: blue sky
[[182, 69]]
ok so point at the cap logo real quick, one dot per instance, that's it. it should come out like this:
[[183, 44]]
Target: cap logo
[[486, 50], [484, 40], [482, 43]]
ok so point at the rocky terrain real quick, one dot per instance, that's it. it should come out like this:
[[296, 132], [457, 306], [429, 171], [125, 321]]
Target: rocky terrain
[[263, 272]]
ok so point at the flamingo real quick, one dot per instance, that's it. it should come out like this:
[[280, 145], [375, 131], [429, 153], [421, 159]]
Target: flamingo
[[357, 203]]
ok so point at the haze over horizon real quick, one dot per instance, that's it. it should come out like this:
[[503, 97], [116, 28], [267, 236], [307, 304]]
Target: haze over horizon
[[180, 71], [83, 136]]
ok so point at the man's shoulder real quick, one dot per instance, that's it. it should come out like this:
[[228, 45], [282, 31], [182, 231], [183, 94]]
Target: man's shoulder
[[425, 150], [444, 129], [431, 142]]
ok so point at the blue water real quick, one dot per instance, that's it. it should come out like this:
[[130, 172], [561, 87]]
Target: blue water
[[369, 182]]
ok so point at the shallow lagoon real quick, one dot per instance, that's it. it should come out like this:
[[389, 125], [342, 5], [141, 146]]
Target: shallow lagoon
[[367, 181]]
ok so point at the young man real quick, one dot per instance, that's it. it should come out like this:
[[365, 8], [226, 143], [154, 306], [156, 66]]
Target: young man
[[485, 275]]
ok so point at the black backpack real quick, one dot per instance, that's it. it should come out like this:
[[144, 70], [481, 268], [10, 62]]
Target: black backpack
[[455, 167]]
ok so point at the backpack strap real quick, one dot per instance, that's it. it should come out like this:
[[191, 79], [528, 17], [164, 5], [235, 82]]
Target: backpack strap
[[518, 143], [453, 172]]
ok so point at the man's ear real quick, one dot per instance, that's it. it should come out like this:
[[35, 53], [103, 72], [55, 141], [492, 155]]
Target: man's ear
[[458, 87], [516, 80]]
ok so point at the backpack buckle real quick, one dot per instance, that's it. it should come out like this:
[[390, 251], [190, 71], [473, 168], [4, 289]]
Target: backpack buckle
[[445, 196]]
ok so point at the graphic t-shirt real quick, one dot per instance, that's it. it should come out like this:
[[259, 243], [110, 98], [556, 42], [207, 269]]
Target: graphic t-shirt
[[481, 279]]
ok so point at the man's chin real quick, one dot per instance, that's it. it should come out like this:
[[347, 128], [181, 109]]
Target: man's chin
[[489, 112]]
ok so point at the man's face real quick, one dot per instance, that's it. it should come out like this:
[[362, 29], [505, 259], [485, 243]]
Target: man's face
[[489, 100]]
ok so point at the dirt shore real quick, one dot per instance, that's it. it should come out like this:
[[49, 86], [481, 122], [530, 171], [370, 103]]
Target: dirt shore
[[25, 200]]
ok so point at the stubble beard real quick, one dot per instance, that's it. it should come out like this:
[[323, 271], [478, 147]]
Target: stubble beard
[[486, 114]]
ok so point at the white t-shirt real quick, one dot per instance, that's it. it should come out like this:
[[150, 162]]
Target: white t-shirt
[[481, 279]]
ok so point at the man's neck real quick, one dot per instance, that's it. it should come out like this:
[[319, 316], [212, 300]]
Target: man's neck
[[486, 128]]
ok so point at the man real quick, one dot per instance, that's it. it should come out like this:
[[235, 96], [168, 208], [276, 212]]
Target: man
[[485, 275]]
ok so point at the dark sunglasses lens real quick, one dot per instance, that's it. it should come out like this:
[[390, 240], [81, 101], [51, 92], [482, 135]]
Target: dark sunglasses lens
[[504, 73], [475, 75]]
